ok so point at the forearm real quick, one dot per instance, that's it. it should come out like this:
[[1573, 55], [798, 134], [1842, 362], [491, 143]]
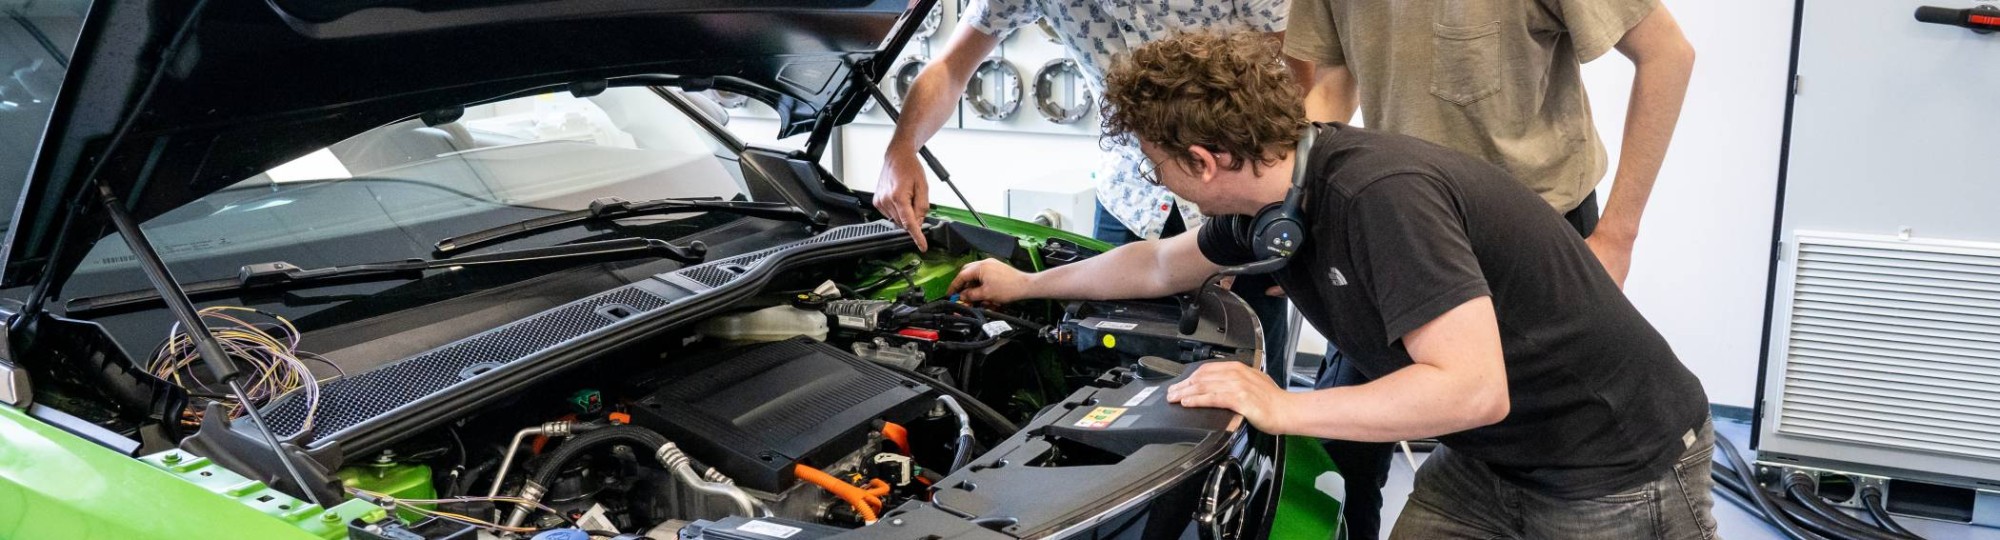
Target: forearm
[[1331, 96], [1148, 269], [1663, 61], [934, 96], [931, 101], [1415, 402], [1658, 91]]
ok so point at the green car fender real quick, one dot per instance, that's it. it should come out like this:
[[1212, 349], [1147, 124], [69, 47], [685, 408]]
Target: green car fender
[[54, 484]]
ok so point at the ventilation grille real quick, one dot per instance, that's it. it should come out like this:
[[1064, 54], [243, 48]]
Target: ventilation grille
[[714, 274], [355, 399], [1894, 344]]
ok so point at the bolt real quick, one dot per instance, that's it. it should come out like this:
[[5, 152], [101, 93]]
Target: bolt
[[329, 517], [386, 457], [171, 457], [897, 522]]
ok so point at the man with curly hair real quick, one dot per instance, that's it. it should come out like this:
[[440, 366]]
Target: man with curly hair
[[1129, 206], [1480, 315]]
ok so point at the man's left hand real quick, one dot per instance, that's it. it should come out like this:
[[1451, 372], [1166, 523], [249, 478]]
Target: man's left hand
[[1237, 387], [1615, 251]]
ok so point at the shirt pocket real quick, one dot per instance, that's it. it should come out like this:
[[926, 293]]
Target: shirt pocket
[[1465, 62]]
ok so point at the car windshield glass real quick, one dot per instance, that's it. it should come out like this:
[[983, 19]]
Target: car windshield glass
[[393, 191], [36, 41]]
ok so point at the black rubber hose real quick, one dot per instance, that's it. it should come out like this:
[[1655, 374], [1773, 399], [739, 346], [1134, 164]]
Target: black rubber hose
[[1871, 498], [1800, 487], [647, 441], [973, 406], [1734, 487], [1739, 494], [1756, 494], [1740, 500], [470, 477], [1806, 518]]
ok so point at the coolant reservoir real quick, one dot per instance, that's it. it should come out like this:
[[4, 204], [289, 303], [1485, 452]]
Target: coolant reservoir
[[776, 323]]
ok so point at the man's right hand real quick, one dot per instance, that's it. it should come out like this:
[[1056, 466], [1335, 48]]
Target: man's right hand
[[904, 194], [990, 282]]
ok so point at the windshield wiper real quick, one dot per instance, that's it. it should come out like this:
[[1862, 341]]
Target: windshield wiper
[[610, 208], [284, 275]]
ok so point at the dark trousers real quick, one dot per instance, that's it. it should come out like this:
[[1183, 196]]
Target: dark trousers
[[1270, 310], [1364, 465]]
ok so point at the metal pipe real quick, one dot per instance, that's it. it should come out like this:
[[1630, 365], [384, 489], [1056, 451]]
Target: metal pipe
[[963, 453], [553, 429], [677, 462]]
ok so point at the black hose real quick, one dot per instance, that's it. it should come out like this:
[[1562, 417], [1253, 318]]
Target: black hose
[[1736, 492], [979, 325], [1811, 521], [1871, 499], [1740, 500], [646, 440], [973, 406], [470, 477], [1801, 488], [1757, 495]]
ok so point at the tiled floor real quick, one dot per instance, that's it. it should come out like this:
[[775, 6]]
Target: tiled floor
[[1732, 522]]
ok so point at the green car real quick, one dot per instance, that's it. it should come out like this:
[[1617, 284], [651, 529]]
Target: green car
[[387, 269]]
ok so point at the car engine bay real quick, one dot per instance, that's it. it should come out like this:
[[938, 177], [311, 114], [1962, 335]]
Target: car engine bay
[[835, 395]]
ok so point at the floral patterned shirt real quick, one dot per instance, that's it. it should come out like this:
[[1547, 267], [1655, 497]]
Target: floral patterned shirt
[[1096, 30]]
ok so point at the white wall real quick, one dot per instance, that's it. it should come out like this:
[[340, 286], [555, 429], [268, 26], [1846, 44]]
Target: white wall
[[1700, 266], [1703, 256]]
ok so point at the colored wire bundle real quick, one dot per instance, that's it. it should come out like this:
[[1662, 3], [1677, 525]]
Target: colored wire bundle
[[414, 505], [270, 351]]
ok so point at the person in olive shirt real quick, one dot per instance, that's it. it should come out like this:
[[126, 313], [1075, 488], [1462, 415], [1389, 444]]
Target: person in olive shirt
[[1500, 80], [1481, 317]]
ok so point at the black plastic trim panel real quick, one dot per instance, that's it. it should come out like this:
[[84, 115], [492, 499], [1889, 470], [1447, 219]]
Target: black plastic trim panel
[[366, 410]]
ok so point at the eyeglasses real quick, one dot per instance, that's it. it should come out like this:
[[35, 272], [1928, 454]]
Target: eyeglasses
[[1151, 174]]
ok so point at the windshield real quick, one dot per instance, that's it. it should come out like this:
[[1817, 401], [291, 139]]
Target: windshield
[[36, 41], [391, 192]]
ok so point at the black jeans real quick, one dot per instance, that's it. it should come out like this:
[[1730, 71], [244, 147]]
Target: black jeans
[[1270, 310], [1456, 497], [1365, 466]]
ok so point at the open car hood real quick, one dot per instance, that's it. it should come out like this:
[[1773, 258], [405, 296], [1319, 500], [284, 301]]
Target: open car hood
[[257, 84]]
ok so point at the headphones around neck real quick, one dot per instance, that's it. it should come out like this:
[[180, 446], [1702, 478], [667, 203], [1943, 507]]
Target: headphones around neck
[[1275, 232]]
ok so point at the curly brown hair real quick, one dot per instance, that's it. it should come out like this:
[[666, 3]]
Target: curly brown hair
[[1224, 92]]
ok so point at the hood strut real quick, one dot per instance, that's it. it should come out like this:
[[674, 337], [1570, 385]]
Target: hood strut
[[875, 91], [220, 366]]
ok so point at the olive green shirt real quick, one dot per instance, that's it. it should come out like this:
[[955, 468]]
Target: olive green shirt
[[1500, 80]]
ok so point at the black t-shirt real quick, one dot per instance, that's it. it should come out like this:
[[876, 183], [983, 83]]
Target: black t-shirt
[[1401, 231]]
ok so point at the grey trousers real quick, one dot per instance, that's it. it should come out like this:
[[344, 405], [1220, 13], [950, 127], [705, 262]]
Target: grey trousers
[[1459, 497]]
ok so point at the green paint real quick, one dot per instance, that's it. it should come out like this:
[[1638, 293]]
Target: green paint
[[1303, 510], [934, 272], [56, 485], [399, 480], [1030, 233]]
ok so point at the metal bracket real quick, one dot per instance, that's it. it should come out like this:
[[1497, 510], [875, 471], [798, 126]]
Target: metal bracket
[[14, 390]]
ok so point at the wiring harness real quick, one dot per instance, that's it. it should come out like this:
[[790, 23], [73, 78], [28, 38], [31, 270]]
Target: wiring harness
[[270, 352]]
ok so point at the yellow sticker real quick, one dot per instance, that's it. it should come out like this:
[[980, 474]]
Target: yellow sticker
[[1100, 418], [1110, 341]]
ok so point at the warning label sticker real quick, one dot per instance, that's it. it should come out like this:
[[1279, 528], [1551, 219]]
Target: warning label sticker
[[1100, 418], [1108, 325]]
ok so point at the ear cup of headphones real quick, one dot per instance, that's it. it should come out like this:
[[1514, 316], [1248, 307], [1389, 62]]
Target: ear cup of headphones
[[1275, 233]]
